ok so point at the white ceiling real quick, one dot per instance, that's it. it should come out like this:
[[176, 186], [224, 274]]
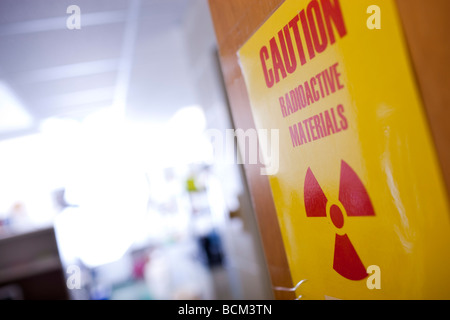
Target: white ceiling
[[127, 53]]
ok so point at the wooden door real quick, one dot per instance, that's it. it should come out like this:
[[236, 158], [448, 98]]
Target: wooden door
[[235, 21], [426, 27]]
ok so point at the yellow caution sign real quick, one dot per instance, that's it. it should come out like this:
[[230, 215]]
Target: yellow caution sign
[[359, 195]]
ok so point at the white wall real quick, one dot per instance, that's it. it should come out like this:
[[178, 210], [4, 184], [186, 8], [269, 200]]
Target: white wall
[[246, 259]]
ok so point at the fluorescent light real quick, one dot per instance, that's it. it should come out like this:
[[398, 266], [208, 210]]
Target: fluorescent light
[[188, 120], [12, 114]]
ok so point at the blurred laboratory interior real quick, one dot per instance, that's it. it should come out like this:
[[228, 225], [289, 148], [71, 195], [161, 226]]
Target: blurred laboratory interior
[[109, 187]]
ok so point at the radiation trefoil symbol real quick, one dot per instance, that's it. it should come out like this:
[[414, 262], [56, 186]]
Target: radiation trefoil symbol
[[354, 198]]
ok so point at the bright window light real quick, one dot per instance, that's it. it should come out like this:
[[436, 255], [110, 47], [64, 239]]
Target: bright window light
[[12, 114], [188, 121]]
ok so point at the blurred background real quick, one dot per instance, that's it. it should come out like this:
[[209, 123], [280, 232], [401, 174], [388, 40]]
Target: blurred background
[[109, 186]]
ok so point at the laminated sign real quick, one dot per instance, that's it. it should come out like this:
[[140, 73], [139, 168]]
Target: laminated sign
[[359, 194]]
